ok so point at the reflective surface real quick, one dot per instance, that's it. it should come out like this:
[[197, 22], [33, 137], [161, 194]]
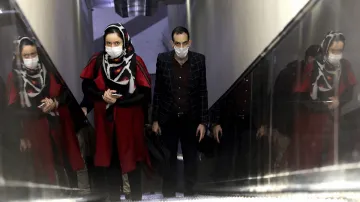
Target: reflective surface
[[42, 151], [281, 122]]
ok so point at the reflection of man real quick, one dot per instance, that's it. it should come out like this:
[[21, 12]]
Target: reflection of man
[[283, 97], [215, 120], [240, 114], [284, 103], [180, 107]]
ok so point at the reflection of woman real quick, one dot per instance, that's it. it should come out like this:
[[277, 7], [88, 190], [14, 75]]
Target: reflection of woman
[[326, 86], [118, 84], [38, 100]]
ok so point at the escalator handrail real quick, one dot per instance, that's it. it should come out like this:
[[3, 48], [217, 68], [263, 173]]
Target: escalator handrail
[[279, 38]]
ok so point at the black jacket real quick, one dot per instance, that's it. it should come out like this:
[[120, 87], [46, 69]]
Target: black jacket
[[163, 94]]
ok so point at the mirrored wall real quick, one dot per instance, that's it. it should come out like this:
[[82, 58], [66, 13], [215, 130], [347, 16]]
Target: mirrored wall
[[45, 138], [294, 118]]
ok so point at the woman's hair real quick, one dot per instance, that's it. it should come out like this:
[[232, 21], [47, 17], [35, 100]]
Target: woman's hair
[[25, 42], [338, 37], [329, 40], [112, 30]]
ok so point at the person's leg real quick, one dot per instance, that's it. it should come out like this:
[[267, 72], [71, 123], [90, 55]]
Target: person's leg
[[63, 179], [189, 142], [134, 179], [100, 180], [113, 174], [170, 138], [126, 186]]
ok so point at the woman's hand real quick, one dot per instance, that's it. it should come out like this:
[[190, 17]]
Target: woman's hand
[[334, 103], [108, 97], [261, 132], [50, 105], [24, 145]]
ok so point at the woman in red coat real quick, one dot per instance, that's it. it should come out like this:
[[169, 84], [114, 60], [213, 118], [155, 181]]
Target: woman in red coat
[[326, 87], [118, 84], [39, 103]]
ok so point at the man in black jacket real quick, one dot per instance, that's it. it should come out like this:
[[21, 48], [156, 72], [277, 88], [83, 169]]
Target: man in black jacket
[[180, 107]]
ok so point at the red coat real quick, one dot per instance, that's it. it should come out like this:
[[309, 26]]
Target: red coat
[[128, 123], [40, 132]]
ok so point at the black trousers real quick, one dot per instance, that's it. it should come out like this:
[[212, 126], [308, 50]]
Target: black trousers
[[184, 129], [109, 179]]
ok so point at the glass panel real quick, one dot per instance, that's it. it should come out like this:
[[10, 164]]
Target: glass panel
[[40, 120], [303, 118], [313, 95]]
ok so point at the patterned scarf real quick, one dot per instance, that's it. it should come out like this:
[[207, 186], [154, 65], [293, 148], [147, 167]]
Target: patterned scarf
[[326, 75], [120, 70], [31, 82]]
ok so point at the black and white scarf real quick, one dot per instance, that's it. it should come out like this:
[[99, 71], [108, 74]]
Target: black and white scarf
[[31, 82], [121, 70], [326, 75]]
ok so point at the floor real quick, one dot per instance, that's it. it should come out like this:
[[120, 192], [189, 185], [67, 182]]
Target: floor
[[297, 197]]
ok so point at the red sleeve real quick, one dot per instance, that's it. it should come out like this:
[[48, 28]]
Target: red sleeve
[[55, 87], [304, 84], [89, 70], [142, 77], [12, 91]]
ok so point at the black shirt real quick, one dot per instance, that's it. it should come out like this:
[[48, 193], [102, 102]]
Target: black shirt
[[180, 87]]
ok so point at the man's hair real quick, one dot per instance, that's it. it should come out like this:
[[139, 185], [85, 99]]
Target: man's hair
[[180, 30]]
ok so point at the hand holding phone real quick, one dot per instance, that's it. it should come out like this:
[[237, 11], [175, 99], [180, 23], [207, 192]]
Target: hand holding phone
[[108, 97]]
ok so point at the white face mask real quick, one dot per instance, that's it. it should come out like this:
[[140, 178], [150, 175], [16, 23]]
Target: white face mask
[[114, 52], [181, 52], [31, 63], [334, 59]]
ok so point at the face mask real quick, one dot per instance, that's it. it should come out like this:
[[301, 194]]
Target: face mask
[[181, 52], [114, 52], [31, 63], [334, 59]]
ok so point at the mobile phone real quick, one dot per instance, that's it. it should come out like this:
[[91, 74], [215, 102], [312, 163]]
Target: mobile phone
[[116, 95], [41, 106]]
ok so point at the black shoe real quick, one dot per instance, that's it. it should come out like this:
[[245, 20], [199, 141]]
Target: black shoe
[[114, 197], [127, 196], [136, 198], [169, 195], [189, 193]]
